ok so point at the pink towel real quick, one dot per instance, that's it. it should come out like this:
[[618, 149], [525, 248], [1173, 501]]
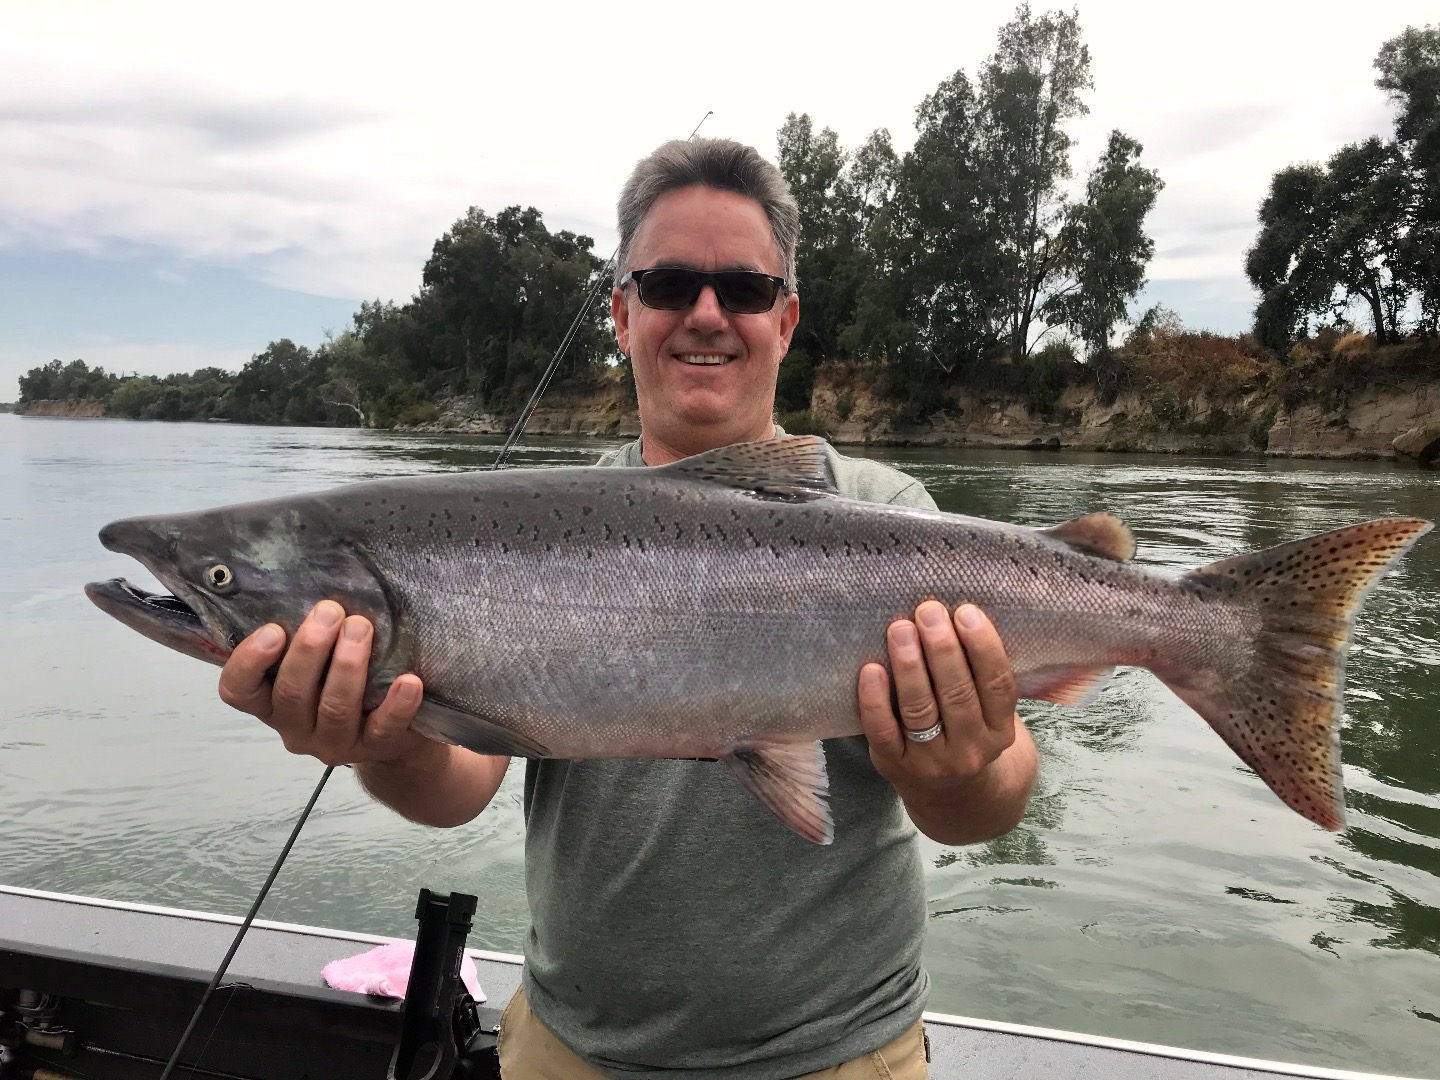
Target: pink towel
[[385, 971]]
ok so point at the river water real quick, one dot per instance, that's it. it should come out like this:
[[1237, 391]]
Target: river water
[[1156, 890]]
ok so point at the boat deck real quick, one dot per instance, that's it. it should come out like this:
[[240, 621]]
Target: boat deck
[[129, 973]]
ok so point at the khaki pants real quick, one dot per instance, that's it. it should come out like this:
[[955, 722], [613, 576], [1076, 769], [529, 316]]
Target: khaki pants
[[530, 1051]]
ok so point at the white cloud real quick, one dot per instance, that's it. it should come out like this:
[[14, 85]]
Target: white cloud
[[324, 147]]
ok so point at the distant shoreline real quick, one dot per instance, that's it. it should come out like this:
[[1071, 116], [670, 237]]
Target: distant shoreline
[[1399, 424]]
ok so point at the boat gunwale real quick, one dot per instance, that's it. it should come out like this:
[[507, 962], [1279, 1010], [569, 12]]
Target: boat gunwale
[[1104, 1042]]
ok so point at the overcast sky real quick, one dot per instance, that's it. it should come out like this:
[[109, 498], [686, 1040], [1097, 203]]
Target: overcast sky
[[182, 183]]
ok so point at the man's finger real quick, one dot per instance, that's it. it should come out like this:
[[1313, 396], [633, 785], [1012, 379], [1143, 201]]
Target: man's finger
[[994, 679], [882, 730], [338, 715], [388, 726], [244, 684], [302, 672], [950, 675], [913, 692]]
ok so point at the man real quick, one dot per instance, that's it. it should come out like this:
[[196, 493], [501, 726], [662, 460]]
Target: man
[[676, 927]]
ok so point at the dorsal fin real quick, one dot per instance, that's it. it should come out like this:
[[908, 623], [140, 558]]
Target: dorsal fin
[[792, 466], [1096, 534]]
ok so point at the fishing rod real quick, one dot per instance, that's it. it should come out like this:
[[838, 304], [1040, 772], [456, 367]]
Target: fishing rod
[[515, 433], [244, 926]]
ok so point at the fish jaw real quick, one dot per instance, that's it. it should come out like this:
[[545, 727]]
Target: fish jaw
[[186, 621], [279, 558], [163, 619]]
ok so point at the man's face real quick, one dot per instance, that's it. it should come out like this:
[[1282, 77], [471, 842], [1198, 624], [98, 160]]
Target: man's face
[[688, 401]]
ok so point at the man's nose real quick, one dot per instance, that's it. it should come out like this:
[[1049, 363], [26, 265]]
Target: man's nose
[[706, 313]]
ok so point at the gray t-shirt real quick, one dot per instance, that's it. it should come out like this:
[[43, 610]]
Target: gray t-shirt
[[678, 929]]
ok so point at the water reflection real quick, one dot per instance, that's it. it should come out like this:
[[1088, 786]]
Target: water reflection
[[1156, 890]]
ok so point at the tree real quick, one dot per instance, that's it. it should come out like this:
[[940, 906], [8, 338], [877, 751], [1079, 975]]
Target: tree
[[1029, 89], [929, 296], [497, 298], [277, 386], [1365, 199], [813, 164], [1409, 67], [1329, 236], [1365, 227], [1104, 246]]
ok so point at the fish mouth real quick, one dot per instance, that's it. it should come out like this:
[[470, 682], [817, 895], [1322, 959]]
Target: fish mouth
[[162, 617]]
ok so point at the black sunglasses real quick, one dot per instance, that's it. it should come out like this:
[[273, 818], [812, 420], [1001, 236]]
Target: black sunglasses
[[675, 288]]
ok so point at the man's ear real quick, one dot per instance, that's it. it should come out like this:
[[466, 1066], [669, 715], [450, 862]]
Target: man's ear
[[789, 317], [620, 314]]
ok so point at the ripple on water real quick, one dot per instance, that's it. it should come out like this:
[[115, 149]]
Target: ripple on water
[[1156, 890]]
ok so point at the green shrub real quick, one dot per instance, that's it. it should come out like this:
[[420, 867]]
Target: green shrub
[[796, 380], [424, 412], [803, 422], [1168, 409], [845, 405], [1260, 429], [1045, 375]]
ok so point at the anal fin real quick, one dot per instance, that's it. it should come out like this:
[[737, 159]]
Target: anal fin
[[1062, 685], [791, 780], [446, 723]]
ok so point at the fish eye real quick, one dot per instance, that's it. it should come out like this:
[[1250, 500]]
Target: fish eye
[[219, 577]]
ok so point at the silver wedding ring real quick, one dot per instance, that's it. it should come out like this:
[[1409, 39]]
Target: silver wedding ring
[[926, 735]]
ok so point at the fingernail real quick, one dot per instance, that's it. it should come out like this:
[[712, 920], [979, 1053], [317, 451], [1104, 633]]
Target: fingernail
[[407, 693], [904, 633], [326, 613], [970, 617], [933, 616], [269, 636], [873, 678], [354, 630]]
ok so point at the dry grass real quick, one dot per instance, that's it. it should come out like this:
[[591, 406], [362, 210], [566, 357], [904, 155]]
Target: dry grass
[[1186, 363]]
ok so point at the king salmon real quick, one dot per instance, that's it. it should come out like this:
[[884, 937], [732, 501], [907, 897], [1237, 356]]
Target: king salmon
[[722, 606]]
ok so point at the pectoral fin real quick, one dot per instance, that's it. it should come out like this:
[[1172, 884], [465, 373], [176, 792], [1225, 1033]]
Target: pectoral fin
[[446, 723], [1062, 685], [790, 779]]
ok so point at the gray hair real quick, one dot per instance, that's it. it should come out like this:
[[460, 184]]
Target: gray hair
[[722, 164]]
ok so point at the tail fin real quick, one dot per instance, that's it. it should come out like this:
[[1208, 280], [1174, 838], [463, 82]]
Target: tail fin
[[1282, 714]]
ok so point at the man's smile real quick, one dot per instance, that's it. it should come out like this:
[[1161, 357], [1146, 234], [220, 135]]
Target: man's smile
[[704, 359]]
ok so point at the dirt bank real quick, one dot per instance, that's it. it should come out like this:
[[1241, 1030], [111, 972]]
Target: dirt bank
[[1367, 425]]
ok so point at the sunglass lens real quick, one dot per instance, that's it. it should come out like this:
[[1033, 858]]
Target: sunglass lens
[[746, 293], [669, 289]]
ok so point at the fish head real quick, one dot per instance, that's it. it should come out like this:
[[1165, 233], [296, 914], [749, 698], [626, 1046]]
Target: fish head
[[232, 570]]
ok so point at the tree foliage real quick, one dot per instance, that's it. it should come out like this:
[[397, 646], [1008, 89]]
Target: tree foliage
[[1029, 89], [944, 265], [498, 295], [947, 261], [1363, 229]]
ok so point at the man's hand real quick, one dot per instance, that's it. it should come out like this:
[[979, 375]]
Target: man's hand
[[315, 701], [972, 780]]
